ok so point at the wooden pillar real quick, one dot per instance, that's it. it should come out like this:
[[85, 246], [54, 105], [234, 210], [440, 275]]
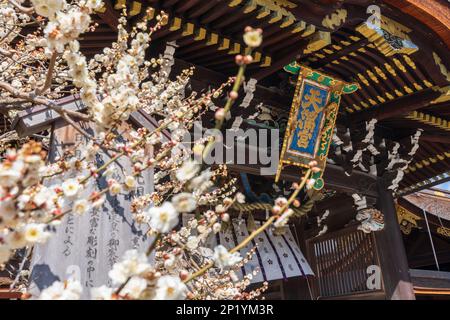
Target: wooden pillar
[[393, 260]]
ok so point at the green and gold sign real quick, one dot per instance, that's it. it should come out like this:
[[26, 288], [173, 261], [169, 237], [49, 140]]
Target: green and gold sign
[[312, 119]]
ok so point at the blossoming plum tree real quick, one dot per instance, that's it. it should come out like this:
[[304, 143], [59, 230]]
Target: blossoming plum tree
[[41, 66]]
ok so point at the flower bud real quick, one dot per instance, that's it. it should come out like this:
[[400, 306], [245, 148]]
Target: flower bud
[[220, 114], [233, 95]]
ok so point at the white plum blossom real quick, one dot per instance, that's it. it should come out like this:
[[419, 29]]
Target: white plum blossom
[[44, 196], [192, 242], [11, 174], [92, 4], [80, 206], [115, 188], [134, 287], [170, 288], [71, 187], [67, 290], [188, 170], [223, 258], [36, 233], [66, 27], [133, 263], [130, 182], [310, 183], [240, 197], [253, 37], [162, 219], [102, 293], [184, 202], [48, 8]]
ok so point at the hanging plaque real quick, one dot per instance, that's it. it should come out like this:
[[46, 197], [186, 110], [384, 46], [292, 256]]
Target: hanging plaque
[[312, 120]]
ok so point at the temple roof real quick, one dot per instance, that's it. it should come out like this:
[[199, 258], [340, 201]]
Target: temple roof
[[433, 201]]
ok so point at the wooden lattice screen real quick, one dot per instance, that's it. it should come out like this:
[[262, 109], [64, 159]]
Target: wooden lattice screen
[[341, 261]]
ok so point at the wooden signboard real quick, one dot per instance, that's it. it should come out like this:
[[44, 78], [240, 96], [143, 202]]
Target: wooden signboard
[[312, 120]]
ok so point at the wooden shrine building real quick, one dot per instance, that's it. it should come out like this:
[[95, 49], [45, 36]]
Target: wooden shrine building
[[391, 138]]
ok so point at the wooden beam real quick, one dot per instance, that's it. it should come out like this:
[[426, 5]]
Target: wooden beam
[[283, 58], [398, 107], [435, 138], [110, 16]]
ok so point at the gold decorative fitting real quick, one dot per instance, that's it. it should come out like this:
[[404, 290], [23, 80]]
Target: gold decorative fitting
[[175, 25], [445, 95], [267, 62], [417, 86], [200, 34], [225, 44], [287, 21], [250, 6], [335, 19], [406, 219], [136, 8], [101, 10], [188, 29], [257, 56], [429, 119], [213, 38], [120, 4], [235, 49], [380, 73], [299, 26], [408, 89], [388, 36], [444, 231], [285, 4], [441, 66], [274, 10], [262, 13], [390, 69], [398, 93], [427, 83], [399, 65], [318, 41], [409, 62], [310, 29], [389, 96], [363, 79], [372, 76]]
